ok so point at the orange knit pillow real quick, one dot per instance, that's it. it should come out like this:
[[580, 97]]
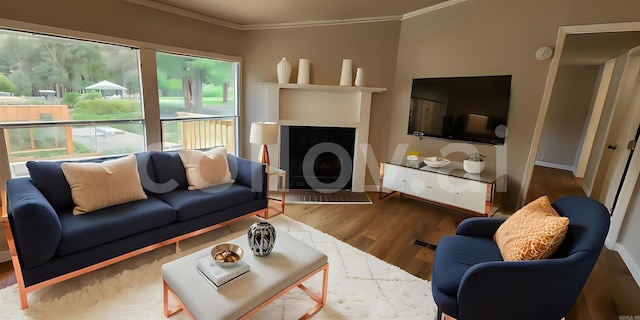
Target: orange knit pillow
[[533, 232]]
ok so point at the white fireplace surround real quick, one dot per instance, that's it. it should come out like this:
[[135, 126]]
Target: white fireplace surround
[[325, 106]]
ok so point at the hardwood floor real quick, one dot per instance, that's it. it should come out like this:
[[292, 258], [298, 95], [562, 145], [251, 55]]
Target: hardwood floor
[[388, 228]]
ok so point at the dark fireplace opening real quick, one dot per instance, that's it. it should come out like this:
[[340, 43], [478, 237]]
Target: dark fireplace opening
[[319, 158]]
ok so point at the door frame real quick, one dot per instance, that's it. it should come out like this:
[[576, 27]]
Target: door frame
[[546, 97]]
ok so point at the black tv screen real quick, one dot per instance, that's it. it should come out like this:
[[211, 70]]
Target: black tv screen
[[461, 108]]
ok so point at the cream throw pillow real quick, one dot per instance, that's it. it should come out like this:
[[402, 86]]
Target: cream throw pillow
[[206, 169], [533, 232], [99, 185]]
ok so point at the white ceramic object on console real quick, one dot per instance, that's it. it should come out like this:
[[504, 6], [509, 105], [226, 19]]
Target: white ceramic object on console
[[345, 75], [284, 71], [360, 77], [436, 162], [474, 167], [303, 71]]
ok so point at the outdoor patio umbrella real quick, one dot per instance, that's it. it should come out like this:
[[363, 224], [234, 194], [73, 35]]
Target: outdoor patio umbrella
[[106, 85]]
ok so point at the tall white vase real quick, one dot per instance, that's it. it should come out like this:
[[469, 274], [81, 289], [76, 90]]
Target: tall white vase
[[303, 71], [360, 78], [284, 71], [345, 75]]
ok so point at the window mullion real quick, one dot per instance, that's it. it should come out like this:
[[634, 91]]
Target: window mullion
[[150, 99]]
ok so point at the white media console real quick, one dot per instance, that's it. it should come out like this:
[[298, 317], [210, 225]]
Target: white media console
[[450, 185]]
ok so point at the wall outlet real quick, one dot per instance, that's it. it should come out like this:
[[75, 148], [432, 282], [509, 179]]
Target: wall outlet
[[540, 157]]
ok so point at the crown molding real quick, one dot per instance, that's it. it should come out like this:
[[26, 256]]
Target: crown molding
[[318, 23], [432, 8], [185, 13], [287, 25]]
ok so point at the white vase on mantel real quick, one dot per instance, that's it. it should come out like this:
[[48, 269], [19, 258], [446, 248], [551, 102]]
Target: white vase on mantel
[[360, 77], [303, 71], [345, 75], [284, 71]]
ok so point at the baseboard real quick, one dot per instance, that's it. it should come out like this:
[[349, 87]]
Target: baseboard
[[555, 166], [586, 190], [628, 260], [5, 256]]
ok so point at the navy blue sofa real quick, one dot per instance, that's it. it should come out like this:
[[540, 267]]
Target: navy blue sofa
[[49, 244], [471, 281]]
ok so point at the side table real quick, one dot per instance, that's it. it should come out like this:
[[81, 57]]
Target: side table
[[276, 205]]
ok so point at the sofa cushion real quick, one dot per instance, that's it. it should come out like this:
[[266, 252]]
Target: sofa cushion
[[48, 177], [108, 224], [195, 203], [455, 255], [169, 171], [533, 232], [205, 168], [99, 185], [35, 225], [146, 172]]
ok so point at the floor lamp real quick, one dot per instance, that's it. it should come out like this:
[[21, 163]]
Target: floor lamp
[[264, 133]]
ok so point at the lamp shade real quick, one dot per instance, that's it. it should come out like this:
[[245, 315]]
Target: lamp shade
[[264, 133]]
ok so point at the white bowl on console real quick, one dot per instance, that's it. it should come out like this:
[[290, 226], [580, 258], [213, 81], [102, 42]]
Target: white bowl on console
[[436, 162]]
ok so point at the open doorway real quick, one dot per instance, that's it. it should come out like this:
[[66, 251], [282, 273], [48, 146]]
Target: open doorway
[[586, 117]]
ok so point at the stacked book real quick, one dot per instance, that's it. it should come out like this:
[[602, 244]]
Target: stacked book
[[219, 275]]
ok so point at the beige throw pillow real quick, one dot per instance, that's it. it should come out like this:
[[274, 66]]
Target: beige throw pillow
[[533, 232], [99, 185], [206, 169]]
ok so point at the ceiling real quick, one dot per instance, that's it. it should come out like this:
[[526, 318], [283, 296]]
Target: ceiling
[[597, 48], [579, 49], [261, 12]]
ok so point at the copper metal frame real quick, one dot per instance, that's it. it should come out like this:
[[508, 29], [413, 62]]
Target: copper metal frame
[[320, 300], [22, 290], [274, 203]]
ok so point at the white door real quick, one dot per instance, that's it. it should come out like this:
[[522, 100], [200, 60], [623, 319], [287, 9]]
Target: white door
[[628, 109], [624, 167]]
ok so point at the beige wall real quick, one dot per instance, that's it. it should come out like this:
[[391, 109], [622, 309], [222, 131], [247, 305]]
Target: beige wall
[[492, 37], [125, 20], [372, 46], [569, 106]]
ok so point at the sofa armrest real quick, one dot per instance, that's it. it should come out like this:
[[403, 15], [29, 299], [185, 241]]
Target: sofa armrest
[[479, 227], [34, 223], [249, 173]]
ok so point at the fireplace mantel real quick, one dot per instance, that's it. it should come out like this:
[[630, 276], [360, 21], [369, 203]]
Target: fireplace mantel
[[325, 106]]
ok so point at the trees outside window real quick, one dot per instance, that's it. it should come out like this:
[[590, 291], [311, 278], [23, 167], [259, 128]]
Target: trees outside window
[[48, 109]]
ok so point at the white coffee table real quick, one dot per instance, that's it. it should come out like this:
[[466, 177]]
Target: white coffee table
[[289, 265]]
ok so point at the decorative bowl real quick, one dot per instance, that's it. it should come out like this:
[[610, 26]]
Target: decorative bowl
[[227, 254], [436, 162]]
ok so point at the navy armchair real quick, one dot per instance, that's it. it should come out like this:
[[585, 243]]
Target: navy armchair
[[471, 281]]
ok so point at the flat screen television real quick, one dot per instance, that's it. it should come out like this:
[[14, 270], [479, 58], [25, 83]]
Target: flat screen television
[[461, 108]]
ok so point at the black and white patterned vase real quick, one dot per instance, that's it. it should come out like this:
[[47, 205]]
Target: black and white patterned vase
[[262, 238]]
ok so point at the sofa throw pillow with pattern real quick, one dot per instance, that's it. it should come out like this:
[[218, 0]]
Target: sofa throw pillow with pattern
[[533, 232], [99, 185], [206, 168]]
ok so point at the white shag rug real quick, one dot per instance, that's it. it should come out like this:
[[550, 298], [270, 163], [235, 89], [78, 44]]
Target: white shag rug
[[361, 286]]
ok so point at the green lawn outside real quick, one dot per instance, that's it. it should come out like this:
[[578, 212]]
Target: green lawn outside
[[169, 106]]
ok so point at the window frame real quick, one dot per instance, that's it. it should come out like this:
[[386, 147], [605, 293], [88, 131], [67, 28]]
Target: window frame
[[152, 123]]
